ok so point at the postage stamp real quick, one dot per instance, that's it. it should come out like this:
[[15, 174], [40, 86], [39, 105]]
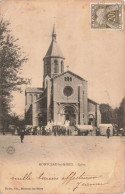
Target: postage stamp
[[106, 16]]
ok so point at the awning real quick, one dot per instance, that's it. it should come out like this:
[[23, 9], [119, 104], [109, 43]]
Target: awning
[[84, 127]]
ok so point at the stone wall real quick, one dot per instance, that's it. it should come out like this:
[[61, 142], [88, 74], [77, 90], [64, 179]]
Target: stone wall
[[79, 95]]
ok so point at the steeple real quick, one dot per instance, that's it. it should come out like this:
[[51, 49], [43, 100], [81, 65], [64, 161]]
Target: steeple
[[54, 33], [54, 49], [54, 59]]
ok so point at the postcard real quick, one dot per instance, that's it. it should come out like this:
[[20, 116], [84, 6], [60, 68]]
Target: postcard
[[62, 122]]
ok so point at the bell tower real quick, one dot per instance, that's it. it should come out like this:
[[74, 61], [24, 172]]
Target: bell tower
[[54, 59]]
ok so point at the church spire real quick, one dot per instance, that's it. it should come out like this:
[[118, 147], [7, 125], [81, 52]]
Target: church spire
[[54, 33], [54, 59]]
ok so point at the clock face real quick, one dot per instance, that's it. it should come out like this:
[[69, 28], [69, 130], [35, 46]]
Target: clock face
[[68, 90]]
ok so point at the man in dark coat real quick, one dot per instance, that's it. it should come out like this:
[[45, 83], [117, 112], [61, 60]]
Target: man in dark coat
[[22, 133], [108, 132]]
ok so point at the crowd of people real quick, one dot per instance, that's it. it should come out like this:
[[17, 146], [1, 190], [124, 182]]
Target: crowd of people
[[50, 129], [57, 129]]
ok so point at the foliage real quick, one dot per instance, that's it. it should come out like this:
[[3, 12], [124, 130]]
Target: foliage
[[106, 113], [120, 112], [11, 61], [15, 120], [114, 116]]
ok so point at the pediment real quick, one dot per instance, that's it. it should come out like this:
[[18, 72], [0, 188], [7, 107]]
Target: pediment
[[70, 73]]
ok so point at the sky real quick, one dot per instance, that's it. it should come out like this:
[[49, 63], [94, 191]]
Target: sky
[[95, 55]]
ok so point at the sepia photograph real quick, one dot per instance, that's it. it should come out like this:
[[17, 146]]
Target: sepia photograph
[[62, 97]]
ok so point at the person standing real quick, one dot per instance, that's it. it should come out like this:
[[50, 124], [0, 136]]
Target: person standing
[[22, 133], [79, 132], [108, 132], [38, 130], [54, 130], [69, 127], [97, 132]]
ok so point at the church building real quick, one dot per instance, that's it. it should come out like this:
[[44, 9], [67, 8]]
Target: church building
[[64, 95]]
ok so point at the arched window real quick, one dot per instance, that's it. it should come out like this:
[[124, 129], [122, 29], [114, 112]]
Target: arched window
[[48, 67], [62, 67], [31, 98], [67, 78], [45, 68], [70, 78], [56, 66]]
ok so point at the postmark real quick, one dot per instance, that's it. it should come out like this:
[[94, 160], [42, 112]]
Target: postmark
[[106, 15], [10, 150]]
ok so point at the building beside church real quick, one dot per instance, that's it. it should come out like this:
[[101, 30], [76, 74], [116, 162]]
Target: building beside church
[[64, 95]]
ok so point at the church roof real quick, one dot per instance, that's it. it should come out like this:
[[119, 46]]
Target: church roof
[[70, 72], [34, 90], [54, 49], [92, 101]]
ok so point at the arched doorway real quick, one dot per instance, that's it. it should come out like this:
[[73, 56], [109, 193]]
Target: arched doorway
[[68, 112], [91, 119]]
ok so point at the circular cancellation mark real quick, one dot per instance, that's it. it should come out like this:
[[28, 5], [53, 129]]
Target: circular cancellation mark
[[10, 150]]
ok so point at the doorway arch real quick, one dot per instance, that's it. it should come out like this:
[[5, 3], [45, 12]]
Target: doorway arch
[[69, 112], [91, 119]]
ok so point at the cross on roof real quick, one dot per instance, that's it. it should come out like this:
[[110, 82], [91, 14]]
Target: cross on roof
[[67, 67]]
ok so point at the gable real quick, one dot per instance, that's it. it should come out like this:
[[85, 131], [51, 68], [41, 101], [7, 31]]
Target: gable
[[67, 73], [68, 80]]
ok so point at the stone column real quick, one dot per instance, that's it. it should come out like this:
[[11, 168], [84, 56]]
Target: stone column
[[98, 115], [54, 103], [34, 114], [85, 103], [48, 100], [76, 118], [81, 104]]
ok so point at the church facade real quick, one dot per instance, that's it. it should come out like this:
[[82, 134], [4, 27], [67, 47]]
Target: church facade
[[64, 95]]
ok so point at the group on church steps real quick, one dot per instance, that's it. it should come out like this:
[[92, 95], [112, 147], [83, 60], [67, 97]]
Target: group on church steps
[[60, 130]]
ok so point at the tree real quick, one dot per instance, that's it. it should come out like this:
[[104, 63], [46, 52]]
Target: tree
[[114, 116], [121, 114], [11, 61], [14, 119], [107, 114]]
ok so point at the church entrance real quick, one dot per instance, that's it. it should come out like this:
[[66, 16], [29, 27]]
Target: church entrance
[[70, 115]]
